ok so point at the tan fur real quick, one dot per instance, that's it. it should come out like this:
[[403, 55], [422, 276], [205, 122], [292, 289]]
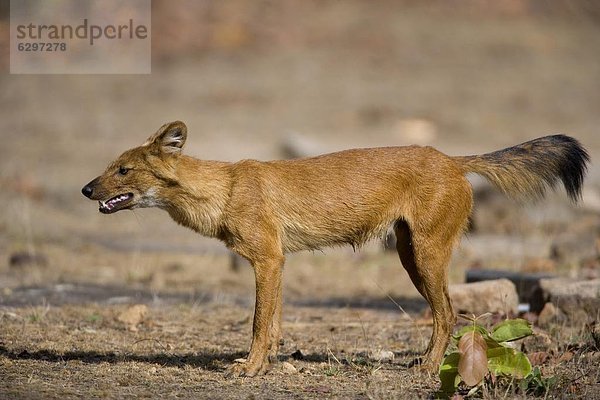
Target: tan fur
[[263, 210]]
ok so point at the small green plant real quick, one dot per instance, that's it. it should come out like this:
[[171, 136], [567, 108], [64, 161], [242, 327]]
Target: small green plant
[[535, 384], [34, 317], [94, 318], [37, 314], [332, 370], [479, 353]]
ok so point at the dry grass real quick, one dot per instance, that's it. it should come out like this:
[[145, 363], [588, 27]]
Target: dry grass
[[183, 350]]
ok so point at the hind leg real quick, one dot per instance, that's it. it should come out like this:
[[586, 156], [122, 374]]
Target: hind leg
[[426, 258]]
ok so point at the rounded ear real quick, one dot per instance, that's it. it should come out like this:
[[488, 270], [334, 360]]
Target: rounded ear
[[170, 138]]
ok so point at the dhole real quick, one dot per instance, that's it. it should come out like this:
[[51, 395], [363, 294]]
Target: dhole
[[263, 210]]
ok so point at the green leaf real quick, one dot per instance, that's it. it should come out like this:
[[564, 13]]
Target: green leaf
[[492, 344], [449, 373], [507, 361], [471, 328], [511, 329]]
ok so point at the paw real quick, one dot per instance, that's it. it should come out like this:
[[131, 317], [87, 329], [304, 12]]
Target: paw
[[250, 369], [427, 366]]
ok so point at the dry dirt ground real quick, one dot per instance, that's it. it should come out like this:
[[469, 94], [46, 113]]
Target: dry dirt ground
[[247, 76]]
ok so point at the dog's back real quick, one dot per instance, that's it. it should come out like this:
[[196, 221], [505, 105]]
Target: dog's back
[[347, 197]]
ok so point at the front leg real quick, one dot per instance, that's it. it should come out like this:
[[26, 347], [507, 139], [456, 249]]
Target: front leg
[[276, 333], [268, 285]]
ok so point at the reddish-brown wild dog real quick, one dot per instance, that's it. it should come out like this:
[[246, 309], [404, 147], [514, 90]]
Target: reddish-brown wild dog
[[263, 210]]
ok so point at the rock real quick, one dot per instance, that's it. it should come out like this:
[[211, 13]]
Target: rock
[[578, 301], [382, 355], [496, 296], [529, 316], [133, 316], [539, 341], [525, 283], [296, 145], [548, 314], [288, 368], [415, 131]]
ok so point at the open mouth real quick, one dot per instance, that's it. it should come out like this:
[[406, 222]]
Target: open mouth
[[115, 204]]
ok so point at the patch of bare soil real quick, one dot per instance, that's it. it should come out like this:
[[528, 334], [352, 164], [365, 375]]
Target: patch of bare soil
[[185, 349]]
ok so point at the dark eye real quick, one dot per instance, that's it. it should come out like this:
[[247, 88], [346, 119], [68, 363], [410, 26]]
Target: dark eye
[[123, 170]]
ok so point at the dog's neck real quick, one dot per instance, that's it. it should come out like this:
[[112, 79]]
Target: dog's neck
[[199, 194]]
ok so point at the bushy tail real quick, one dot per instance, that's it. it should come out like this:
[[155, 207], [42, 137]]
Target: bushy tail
[[528, 169]]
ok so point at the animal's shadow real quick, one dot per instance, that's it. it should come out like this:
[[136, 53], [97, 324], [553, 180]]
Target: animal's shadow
[[210, 361]]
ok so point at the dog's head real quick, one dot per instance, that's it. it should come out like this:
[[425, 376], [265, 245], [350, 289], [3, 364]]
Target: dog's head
[[135, 178]]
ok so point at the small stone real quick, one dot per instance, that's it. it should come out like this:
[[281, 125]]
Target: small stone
[[548, 314], [288, 368], [382, 355], [531, 317], [415, 131], [539, 341]]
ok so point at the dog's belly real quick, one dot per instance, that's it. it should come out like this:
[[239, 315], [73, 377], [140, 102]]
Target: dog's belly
[[298, 236]]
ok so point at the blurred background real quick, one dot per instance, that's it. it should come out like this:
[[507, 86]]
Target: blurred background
[[274, 79]]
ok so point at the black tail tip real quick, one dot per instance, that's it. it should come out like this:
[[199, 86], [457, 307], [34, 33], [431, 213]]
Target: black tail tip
[[574, 165]]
